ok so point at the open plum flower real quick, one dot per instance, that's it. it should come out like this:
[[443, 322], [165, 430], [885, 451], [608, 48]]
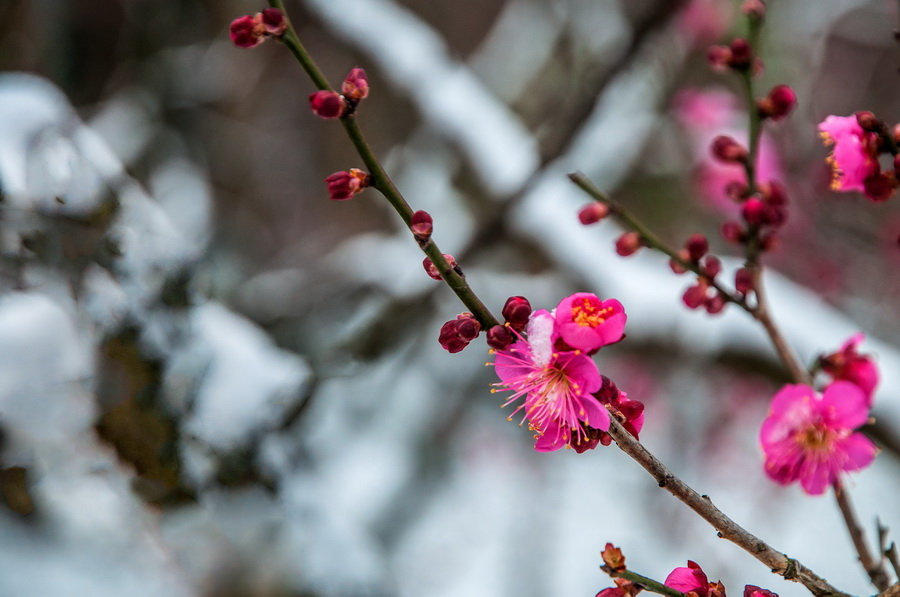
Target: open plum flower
[[810, 438], [853, 158], [555, 387], [588, 323], [848, 364]]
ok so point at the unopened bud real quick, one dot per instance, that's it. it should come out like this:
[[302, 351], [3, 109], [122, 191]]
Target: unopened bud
[[697, 246], [695, 296], [880, 187], [247, 31], [718, 57], [347, 183], [676, 265], [355, 85], [421, 225], [274, 21], [741, 54], [499, 337], [868, 121], [754, 9], [592, 213], [743, 280], [432, 270], [773, 193], [467, 326], [778, 104], [726, 149], [328, 104], [449, 337], [753, 211], [715, 304], [516, 312], [769, 241], [712, 266], [733, 232], [628, 244]]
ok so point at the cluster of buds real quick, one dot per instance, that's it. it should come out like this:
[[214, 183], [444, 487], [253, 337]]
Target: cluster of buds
[[738, 56], [516, 312], [457, 333], [331, 104], [694, 256], [249, 31], [763, 214], [857, 143]]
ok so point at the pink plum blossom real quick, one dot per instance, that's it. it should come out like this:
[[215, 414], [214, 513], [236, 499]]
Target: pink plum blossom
[[588, 323], [848, 365], [555, 387], [810, 438], [853, 157], [692, 579]]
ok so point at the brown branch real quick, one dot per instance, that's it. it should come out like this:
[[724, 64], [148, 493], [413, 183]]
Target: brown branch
[[778, 562], [874, 568]]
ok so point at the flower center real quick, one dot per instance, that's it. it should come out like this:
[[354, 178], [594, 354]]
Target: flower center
[[589, 314], [815, 438]]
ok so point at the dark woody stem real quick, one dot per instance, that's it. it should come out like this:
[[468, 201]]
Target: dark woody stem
[[649, 239], [776, 561], [648, 584], [874, 568], [383, 183]]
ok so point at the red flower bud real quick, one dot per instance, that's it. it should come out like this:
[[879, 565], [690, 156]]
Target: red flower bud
[[516, 312], [274, 21], [753, 211], [743, 281], [346, 183], [355, 85], [736, 190], [773, 193], [741, 54], [697, 246], [467, 326], [421, 225], [432, 270], [449, 337], [778, 104], [718, 57], [328, 104], [712, 266], [880, 187], [755, 9], [715, 304], [725, 149], [676, 266], [868, 121], [628, 244], [592, 213], [733, 232], [695, 296], [247, 31], [499, 337]]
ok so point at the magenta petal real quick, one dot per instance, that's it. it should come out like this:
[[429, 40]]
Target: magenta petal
[[582, 370], [817, 475], [513, 362], [688, 579], [553, 438], [844, 405], [859, 452], [596, 414]]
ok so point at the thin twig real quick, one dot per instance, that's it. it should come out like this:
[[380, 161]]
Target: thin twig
[[874, 568], [648, 584], [383, 183]]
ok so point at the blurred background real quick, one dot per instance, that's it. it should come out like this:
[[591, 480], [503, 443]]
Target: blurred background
[[216, 382]]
